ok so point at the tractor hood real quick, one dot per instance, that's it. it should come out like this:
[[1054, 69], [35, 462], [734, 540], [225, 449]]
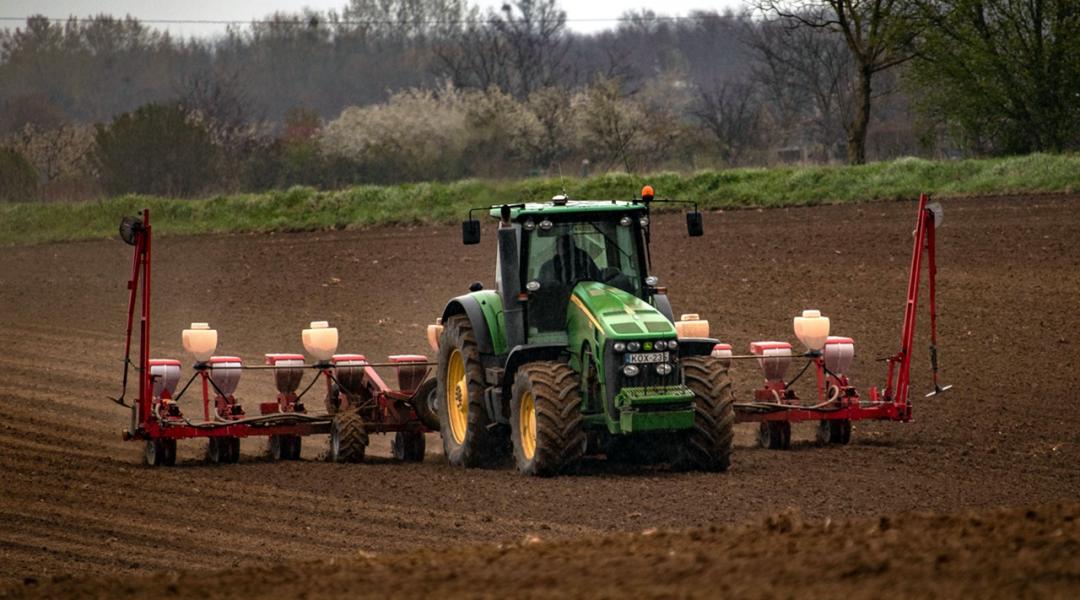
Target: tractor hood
[[619, 314]]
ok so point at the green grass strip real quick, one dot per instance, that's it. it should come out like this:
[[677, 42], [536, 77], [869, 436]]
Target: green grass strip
[[305, 209]]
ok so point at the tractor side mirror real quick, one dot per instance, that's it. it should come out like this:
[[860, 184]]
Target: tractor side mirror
[[470, 232], [693, 224]]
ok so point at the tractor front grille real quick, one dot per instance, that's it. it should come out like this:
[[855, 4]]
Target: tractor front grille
[[648, 377]]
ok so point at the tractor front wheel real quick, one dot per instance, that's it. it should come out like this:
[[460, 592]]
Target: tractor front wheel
[[708, 444], [546, 420], [463, 419], [348, 438]]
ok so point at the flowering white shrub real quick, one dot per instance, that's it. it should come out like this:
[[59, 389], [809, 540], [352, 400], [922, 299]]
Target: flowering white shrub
[[417, 134]]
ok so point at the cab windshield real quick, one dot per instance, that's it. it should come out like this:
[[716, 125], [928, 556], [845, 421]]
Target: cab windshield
[[568, 253], [565, 254]]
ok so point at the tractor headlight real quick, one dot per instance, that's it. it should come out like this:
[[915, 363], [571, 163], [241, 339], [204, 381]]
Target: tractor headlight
[[529, 225], [619, 347], [533, 286], [545, 225], [663, 369], [644, 221], [672, 345], [660, 345], [631, 370], [633, 346], [652, 280], [625, 221]]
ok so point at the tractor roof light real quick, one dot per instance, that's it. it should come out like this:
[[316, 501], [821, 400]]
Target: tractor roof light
[[812, 329], [647, 194], [559, 200]]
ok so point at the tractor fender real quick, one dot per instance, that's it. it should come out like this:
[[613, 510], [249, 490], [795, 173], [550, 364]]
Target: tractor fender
[[521, 355], [470, 307], [696, 346]]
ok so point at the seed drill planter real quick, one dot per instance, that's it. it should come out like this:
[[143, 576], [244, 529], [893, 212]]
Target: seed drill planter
[[357, 401], [776, 406]]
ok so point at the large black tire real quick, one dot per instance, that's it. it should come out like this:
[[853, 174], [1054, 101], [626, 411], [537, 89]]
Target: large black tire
[[774, 435], [348, 438], [426, 402], [408, 446], [467, 439], [834, 431], [708, 445], [546, 423]]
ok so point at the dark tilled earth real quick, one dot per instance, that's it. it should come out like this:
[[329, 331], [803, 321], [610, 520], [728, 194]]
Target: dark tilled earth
[[75, 500]]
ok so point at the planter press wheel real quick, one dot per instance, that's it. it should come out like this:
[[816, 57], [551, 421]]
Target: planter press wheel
[[774, 435], [837, 431], [408, 446], [426, 402], [284, 447], [160, 452], [223, 450]]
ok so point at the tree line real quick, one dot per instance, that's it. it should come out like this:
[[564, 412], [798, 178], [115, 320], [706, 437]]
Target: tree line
[[406, 90]]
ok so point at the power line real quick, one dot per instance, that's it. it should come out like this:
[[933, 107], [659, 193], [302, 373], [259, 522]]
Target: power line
[[317, 20]]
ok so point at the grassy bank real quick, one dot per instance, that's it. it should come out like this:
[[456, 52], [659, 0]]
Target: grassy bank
[[300, 209]]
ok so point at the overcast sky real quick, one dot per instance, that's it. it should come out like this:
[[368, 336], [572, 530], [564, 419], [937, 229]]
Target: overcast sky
[[587, 11]]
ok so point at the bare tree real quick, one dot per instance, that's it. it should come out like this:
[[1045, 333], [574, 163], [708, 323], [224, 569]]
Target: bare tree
[[730, 112], [519, 49], [878, 34], [805, 76]]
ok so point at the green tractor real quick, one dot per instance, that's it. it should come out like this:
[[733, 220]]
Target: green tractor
[[577, 350]]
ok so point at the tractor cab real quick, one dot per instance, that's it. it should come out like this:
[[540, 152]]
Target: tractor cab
[[558, 251]]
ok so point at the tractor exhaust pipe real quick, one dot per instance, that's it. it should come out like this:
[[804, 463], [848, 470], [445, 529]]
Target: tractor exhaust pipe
[[510, 278]]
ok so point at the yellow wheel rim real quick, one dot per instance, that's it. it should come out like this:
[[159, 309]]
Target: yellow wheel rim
[[457, 396], [527, 425]]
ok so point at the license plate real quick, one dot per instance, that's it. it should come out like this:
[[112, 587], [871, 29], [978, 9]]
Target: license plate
[[646, 358]]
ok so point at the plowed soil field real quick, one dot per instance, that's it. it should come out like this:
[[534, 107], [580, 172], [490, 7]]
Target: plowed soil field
[[80, 515]]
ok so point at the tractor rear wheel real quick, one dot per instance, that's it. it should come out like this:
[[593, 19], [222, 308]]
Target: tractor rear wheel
[[707, 446], [348, 438], [834, 431], [463, 419], [774, 435], [426, 402], [408, 446], [546, 420]]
